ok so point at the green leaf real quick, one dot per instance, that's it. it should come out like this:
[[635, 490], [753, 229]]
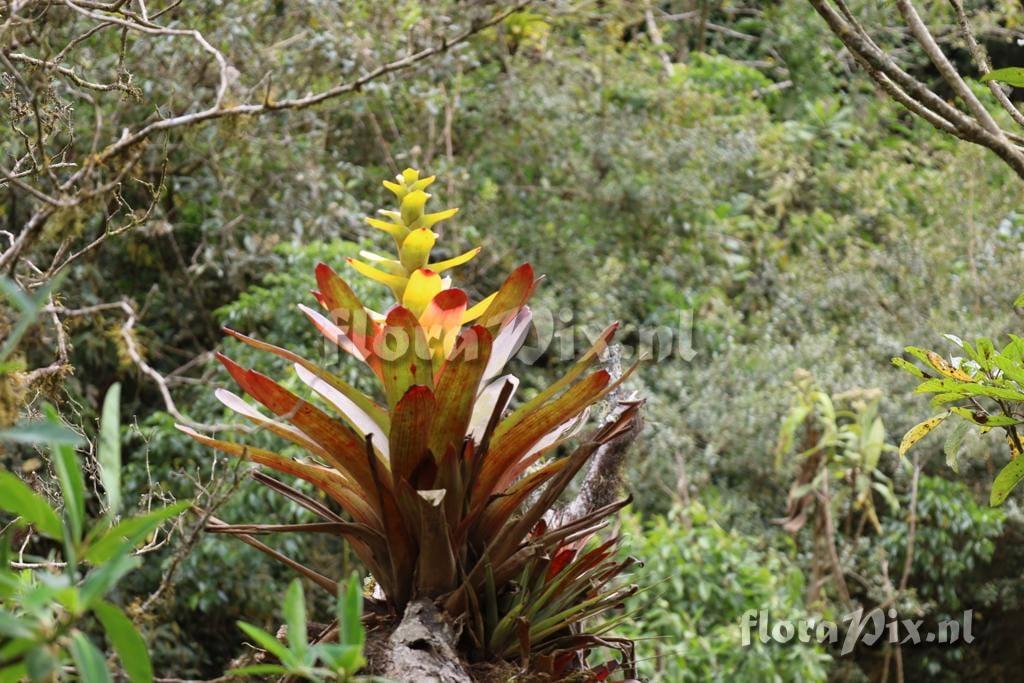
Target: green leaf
[[41, 663], [259, 670], [1006, 480], [994, 392], [72, 486], [342, 658], [131, 532], [29, 307], [887, 494], [16, 673], [126, 641], [104, 577], [904, 364], [1011, 75], [17, 498], [350, 610], [110, 448], [985, 420], [1019, 301], [953, 442], [919, 431], [939, 400], [269, 643], [91, 665], [940, 384], [874, 443], [295, 618], [986, 350], [1011, 369], [41, 432], [13, 626]]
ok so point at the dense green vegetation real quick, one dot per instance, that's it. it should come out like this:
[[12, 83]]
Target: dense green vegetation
[[758, 188]]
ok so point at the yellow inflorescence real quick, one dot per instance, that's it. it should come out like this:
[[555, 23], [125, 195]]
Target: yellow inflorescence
[[412, 277], [416, 282]]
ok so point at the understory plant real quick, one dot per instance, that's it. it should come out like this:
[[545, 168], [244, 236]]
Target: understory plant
[[835, 446], [443, 483], [319, 661], [55, 584]]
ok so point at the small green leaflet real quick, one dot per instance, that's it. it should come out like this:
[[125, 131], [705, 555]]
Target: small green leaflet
[[1011, 75]]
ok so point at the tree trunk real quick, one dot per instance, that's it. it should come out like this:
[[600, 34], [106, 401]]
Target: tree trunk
[[422, 648]]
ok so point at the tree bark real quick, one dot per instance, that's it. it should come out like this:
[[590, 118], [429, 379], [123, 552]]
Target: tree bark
[[422, 648]]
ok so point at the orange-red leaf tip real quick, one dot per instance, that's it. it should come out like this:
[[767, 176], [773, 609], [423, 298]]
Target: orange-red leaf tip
[[450, 298], [324, 272], [400, 316]]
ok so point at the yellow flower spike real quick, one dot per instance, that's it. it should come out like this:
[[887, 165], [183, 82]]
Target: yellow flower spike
[[442, 266], [396, 230], [422, 287], [410, 229], [422, 183], [397, 283], [478, 310], [412, 207], [415, 250], [431, 218], [388, 265]]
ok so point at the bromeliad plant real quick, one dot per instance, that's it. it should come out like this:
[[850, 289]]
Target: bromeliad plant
[[443, 484]]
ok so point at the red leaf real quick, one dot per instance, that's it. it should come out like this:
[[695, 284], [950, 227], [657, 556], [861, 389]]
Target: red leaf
[[457, 386]]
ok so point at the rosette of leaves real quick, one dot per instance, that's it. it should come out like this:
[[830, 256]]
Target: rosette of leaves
[[982, 390], [443, 484]]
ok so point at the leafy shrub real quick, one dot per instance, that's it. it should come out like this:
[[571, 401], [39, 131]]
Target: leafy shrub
[[700, 579], [955, 540], [47, 605]]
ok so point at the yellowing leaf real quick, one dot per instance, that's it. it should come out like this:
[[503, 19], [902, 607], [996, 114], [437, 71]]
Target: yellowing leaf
[[943, 366], [919, 431]]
